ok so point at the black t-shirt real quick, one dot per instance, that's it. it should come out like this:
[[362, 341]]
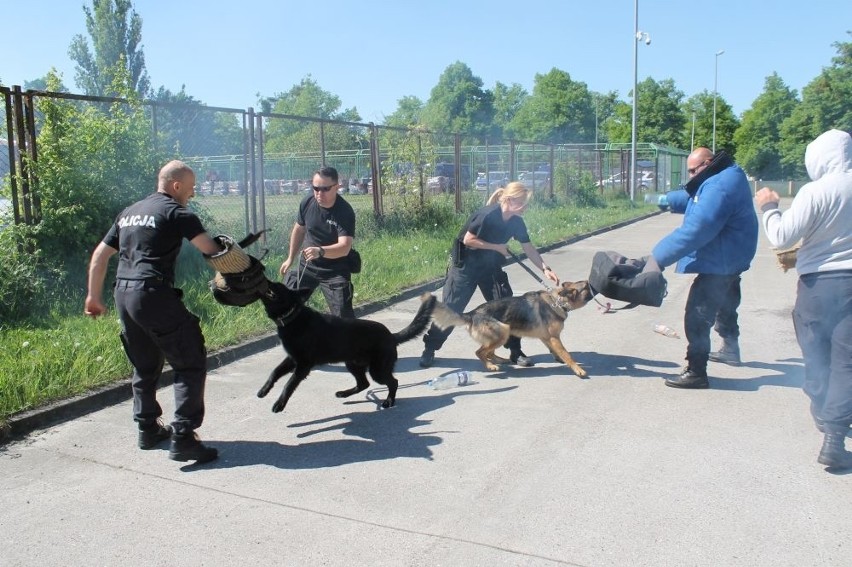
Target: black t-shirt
[[148, 235], [324, 226], [487, 224]]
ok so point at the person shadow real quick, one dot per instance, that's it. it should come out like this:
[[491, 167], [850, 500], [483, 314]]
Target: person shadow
[[367, 436]]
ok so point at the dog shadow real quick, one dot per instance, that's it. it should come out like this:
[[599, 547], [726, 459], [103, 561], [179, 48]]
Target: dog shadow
[[369, 436]]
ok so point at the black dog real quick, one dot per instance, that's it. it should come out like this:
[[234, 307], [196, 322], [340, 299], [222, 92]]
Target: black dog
[[311, 338]]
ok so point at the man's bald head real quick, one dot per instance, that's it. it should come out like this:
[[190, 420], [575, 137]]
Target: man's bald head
[[698, 160]]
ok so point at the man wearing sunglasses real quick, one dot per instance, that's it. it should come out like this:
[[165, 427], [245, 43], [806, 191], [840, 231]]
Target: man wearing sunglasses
[[325, 224], [716, 241]]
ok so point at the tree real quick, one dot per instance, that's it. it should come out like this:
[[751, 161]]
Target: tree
[[604, 105], [658, 115], [308, 99], [186, 127], [459, 104], [701, 106], [508, 100], [93, 160], [407, 114], [758, 138], [559, 110], [825, 105], [116, 32]]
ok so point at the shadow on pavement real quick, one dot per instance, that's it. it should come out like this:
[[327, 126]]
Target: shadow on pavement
[[373, 436]]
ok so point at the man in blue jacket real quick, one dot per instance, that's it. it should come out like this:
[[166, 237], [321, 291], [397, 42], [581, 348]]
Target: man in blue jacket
[[717, 241]]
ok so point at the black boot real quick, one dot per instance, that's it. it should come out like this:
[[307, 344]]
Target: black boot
[[152, 434], [728, 354], [690, 379], [833, 453], [188, 447]]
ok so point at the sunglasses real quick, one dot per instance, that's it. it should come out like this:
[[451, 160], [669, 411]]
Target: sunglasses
[[323, 189], [696, 169]]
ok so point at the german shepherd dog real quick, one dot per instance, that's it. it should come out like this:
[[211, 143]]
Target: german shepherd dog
[[311, 338], [539, 314]]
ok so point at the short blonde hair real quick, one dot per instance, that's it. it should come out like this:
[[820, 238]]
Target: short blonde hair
[[514, 190]]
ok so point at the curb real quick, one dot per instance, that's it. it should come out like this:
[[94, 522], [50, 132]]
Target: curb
[[23, 423]]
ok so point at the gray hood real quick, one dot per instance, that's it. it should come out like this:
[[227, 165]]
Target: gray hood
[[831, 152]]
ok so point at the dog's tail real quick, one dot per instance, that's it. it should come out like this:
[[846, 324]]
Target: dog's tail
[[445, 317], [421, 319]]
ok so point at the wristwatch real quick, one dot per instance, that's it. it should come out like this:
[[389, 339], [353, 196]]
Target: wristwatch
[[321, 251]]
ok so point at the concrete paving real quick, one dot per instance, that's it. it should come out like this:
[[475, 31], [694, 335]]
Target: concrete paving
[[524, 467]]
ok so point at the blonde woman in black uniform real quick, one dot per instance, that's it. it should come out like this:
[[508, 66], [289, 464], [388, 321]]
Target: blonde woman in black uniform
[[478, 257]]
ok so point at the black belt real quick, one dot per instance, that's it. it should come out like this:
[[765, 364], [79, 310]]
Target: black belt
[[155, 281]]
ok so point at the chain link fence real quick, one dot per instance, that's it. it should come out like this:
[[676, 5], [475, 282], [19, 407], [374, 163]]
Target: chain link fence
[[253, 168]]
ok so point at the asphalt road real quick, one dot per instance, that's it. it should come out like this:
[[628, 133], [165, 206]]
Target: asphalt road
[[524, 467]]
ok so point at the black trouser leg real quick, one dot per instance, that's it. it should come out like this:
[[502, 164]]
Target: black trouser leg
[[706, 295]]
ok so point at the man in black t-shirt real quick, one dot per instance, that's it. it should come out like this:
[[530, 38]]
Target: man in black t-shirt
[[155, 325], [325, 224]]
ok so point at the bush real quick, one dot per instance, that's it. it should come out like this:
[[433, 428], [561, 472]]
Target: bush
[[23, 280]]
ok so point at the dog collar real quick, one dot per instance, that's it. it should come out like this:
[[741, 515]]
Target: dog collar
[[554, 303], [288, 316]]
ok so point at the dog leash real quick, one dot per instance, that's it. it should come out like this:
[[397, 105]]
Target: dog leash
[[529, 271]]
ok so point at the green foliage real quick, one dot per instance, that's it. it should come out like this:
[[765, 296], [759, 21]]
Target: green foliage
[[825, 105], [559, 110], [116, 32], [407, 114], [185, 127], [576, 186], [508, 100], [23, 275], [310, 100], [759, 136], [459, 104], [93, 161], [658, 115]]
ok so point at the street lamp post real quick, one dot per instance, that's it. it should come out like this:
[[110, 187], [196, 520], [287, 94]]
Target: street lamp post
[[715, 90], [637, 37]]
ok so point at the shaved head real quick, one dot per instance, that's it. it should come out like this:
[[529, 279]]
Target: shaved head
[[699, 158]]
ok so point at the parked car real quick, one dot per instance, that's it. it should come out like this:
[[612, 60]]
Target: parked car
[[493, 181], [535, 179], [644, 180], [444, 178]]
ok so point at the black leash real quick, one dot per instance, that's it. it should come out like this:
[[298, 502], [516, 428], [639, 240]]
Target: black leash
[[529, 271]]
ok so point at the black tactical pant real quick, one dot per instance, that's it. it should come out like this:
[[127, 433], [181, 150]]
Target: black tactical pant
[[459, 287], [707, 295], [336, 288], [157, 327]]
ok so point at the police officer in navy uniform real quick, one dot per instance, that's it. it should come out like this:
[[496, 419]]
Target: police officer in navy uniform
[[326, 225], [156, 326]]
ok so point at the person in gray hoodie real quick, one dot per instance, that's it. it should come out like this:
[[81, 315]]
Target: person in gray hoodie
[[821, 217]]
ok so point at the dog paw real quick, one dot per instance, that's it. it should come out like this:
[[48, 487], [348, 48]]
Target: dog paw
[[263, 391], [277, 407], [492, 367], [388, 404], [581, 373]]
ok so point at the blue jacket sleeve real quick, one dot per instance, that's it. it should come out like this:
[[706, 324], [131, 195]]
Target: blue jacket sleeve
[[677, 200], [705, 219]]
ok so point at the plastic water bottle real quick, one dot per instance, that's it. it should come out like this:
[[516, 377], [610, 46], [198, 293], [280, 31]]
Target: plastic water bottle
[[666, 331], [450, 380]]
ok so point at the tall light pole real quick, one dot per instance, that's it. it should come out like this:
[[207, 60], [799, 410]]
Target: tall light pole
[[715, 84], [637, 37]]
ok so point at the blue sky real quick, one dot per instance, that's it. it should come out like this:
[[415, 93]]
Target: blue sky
[[371, 53]]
